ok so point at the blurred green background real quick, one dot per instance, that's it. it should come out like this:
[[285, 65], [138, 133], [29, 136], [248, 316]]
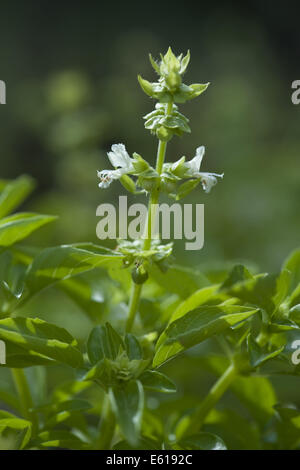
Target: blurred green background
[[71, 74], [72, 91]]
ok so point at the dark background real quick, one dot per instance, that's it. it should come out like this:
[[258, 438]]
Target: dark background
[[70, 70]]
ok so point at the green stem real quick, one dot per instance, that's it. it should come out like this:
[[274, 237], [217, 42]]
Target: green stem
[[25, 397], [133, 305], [209, 402], [106, 428], [154, 197]]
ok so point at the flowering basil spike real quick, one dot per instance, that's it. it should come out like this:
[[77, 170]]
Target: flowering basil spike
[[208, 180], [120, 159]]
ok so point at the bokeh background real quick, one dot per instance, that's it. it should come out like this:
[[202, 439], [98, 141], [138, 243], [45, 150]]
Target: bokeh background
[[71, 73], [72, 91]]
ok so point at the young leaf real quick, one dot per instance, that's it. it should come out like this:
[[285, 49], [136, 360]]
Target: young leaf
[[195, 327], [128, 404], [133, 347], [157, 382], [104, 342]]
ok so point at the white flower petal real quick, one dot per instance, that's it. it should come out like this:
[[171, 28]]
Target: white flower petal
[[108, 176], [119, 157], [208, 180], [194, 164]]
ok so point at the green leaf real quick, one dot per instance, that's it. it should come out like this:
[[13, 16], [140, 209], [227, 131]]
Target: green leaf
[[178, 280], [19, 226], [104, 342], [128, 404], [146, 86], [255, 393], [238, 273], [195, 327], [242, 432], [65, 261], [185, 62], [186, 188], [144, 443], [282, 287], [259, 355], [14, 193], [295, 314], [18, 357], [198, 88], [154, 64], [292, 264], [128, 183], [259, 290], [62, 439], [200, 297], [201, 441], [157, 382], [7, 397], [133, 347], [288, 426], [101, 373], [20, 425], [38, 336], [75, 404]]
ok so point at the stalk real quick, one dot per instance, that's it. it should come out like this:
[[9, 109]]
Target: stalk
[[209, 402], [25, 397], [133, 304], [106, 428], [153, 200]]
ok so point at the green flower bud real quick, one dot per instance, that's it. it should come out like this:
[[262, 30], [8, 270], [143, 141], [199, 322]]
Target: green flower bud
[[173, 80], [128, 183], [139, 275], [147, 183], [139, 163], [168, 186], [146, 86], [164, 134]]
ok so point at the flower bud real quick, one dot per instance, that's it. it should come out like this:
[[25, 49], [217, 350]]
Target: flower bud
[[164, 134], [139, 275]]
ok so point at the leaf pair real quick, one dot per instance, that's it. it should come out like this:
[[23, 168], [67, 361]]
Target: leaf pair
[[119, 366]]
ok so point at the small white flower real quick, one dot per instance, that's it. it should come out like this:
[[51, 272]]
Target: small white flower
[[208, 180], [194, 164], [120, 159]]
